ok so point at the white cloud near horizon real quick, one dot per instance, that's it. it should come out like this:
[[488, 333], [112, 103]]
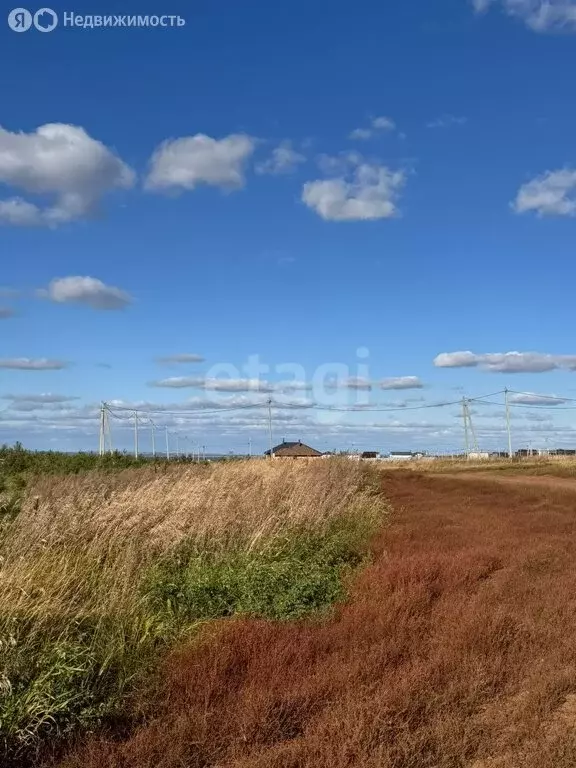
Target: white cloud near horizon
[[184, 163], [402, 382], [551, 194], [216, 385], [377, 125], [507, 362], [30, 364], [89, 291], [367, 192], [60, 161], [284, 159], [538, 15], [532, 398], [43, 398], [259, 385]]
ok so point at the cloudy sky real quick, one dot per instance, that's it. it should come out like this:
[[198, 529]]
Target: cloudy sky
[[368, 207]]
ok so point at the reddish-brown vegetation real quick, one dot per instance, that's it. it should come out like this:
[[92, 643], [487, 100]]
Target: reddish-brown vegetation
[[457, 648]]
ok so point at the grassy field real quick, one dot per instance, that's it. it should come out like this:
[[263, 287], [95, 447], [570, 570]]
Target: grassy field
[[102, 573], [556, 466], [455, 649], [19, 468], [323, 614]]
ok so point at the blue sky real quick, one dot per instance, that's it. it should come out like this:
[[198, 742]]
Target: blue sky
[[294, 183]]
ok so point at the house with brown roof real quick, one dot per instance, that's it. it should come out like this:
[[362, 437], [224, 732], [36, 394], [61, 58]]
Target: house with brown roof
[[288, 450]]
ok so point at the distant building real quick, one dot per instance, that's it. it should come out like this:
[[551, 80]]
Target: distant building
[[370, 455], [299, 450], [476, 455], [400, 456]]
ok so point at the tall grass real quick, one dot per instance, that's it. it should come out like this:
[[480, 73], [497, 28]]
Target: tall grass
[[558, 466], [99, 573]]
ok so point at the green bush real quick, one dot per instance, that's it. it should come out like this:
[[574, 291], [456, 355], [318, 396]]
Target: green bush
[[297, 576]]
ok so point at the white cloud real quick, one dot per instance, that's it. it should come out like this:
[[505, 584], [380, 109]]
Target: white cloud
[[480, 6], [539, 417], [539, 15], [402, 382], [360, 383], [506, 362], [19, 213], [284, 159], [293, 386], [341, 164], [361, 134], [354, 382], [6, 313], [43, 398], [86, 290], [186, 162], [447, 121], [182, 358], [216, 385], [59, 160], [552, 194], [383, 124], [531, 398], [377, 125], [232, 385], [370, 192], [28, 364], [456, 360]]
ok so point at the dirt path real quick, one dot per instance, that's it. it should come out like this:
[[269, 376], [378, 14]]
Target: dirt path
[[455, 650]]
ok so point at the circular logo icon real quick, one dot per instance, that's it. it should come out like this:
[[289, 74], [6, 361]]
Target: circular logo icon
[[45, 20], [20, 20]]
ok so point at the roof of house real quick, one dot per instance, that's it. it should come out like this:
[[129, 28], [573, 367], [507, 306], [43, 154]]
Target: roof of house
[[294, 449]]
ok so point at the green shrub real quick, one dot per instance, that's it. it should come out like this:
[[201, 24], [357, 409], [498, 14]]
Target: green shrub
[[296, 576]]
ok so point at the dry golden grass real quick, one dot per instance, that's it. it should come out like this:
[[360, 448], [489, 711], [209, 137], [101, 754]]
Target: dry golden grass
[[558, 466], [82, 544]]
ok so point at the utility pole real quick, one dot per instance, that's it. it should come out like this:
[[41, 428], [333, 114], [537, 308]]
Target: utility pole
[[508, 428], [153, 438], [270, 425], [107, 430], [250, 447], [177, 446], [135, 434], [167, 444], [102, 428]]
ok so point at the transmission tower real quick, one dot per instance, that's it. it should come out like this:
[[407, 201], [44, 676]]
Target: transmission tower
[[468, 427], [105, 431]]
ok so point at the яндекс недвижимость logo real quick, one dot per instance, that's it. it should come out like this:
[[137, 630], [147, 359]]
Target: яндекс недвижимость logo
[[46, 20], [21, 20]]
